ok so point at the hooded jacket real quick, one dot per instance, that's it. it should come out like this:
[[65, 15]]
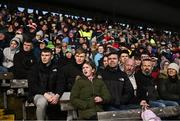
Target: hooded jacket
[[9, 55], [83, 93]]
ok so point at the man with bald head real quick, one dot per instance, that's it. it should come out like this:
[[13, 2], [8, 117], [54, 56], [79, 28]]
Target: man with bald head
[[129, 69]]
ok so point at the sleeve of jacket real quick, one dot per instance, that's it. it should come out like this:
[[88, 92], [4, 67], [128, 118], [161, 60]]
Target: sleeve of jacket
[[75, 97], [33, 81], [60, 83], [164, 94]]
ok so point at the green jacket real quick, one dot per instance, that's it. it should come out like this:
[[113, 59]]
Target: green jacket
[[83, 93]]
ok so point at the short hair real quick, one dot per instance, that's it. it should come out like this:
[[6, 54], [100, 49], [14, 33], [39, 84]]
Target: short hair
[[58, 45], [123, 51], [27, 41], [146, 59], [92, 64], [113, 53], [80, 51], [47, 50]]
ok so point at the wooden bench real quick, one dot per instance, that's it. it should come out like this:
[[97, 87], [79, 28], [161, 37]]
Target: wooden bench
[[135, 114], [66, 106]]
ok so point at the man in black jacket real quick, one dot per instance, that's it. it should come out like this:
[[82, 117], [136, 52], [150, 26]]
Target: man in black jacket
[[68, 73], [24, 60], [44, 86], [147, 90], [118, 84]]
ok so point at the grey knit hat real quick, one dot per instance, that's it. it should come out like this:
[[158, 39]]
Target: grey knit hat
[[174, 66]]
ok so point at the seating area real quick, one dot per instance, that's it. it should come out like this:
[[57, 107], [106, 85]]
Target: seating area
[[50, 49]]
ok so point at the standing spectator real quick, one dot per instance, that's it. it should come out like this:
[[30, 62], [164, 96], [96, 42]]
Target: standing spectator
[[24, 60], [44, 87], [89, 93]]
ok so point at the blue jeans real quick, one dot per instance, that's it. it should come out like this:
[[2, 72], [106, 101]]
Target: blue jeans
[[162, 103], [3, 69], [121, 107]]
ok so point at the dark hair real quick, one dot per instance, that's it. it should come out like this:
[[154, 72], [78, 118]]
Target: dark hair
[[47, 50], [91, 63], [113, 53], [80, 51], [123, 51]]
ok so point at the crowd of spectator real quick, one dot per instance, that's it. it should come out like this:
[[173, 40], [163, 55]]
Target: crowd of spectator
[[132, 62]]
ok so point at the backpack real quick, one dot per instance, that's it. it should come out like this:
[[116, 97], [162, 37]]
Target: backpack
[[148, 115]]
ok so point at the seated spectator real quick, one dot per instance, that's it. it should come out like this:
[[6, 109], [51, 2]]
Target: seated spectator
[[44, 87], [169, 85], [99, 55], [89, 93], [117, 83], [9, 53], [148, 89], [163, 67], [123, 56], [24, 60], [103, 63], [68, 73]]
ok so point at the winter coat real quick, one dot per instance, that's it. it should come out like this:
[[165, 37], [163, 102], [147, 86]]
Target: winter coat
[[43, 78], [118, 84], [68, 74], [9, 56], [23, 61], [83, 93], [169, 89], [146, 87]]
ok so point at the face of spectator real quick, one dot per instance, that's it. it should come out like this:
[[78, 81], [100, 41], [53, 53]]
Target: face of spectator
[[84, 46], [44, 27], [133, 47], [13, 44], [113, 60], [46, 57], [80, 58], [88, 71], [166, 64], [57, 50], [105, 61], [68, 55], [129, 67], [171, 72], [137, 62], [27, 46], [42, 45], [100, 49], [146, 67], [2, 36], [123, 57]]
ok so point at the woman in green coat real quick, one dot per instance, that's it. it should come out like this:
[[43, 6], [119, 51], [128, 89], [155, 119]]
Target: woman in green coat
[[89, 93]]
